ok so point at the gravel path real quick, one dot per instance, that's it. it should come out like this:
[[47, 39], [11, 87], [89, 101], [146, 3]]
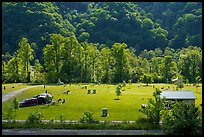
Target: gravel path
[[78, 132], [8, 95]]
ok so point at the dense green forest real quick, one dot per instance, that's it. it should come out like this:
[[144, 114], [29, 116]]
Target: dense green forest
[[101, 42]]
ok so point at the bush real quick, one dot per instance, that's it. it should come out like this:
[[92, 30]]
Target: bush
[[118, 90], [139, 125], [52, 120], [9, 113], [88, 118], [123, 84], [35, 117], [16, 103], [62, 119], [183, 119], [180, 85], [155, 108]]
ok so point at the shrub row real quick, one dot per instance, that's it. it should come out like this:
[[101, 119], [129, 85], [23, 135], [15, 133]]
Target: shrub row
[[62, 125]]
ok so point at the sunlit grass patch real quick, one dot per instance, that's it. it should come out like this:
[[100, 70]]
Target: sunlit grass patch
[[11, 87], [77, 101]]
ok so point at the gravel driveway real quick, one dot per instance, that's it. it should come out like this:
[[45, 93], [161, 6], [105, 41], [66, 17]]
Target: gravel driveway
[[8, 95]]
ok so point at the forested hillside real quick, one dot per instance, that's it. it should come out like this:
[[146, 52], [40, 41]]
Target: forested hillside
[[142, 25], [101, 42]]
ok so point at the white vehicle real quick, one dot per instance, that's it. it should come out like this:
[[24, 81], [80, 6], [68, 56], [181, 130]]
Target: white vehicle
[[60, 83], [44, 98]]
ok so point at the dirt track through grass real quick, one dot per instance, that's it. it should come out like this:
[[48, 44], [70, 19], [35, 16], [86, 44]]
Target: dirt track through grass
[[8, 95]]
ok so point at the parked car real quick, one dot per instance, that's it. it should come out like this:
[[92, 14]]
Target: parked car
[[60, 83], [44, 98], [28, 102]]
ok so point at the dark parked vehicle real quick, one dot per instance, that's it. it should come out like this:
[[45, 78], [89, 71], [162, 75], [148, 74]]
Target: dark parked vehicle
[[44, 98], [28, 102]]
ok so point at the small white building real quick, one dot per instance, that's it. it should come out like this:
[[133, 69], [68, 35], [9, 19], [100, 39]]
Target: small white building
[[177, 81], [182, 95]]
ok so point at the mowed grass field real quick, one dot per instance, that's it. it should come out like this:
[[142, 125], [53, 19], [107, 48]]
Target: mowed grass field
[[12, 87], [78, 101]]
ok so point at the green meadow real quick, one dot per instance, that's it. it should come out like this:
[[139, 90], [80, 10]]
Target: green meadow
[[77, 101], [12, 87]]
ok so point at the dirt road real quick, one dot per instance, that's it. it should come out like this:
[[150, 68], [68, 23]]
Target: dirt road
[[8, 95]]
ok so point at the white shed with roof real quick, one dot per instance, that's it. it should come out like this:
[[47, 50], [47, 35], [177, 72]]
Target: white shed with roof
[[182, 95], [177, 81]]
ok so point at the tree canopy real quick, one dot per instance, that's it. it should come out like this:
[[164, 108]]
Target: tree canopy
[[101, 42], [141, 25]]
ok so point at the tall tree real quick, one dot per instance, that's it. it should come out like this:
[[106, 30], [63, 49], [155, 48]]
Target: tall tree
[[52, 57], [132, 63], [195, 56], [183, 65], [147, 79], [93, 55], [168, 68], [38, 72], [25, 53], [71, 59], [3, 71], [190, 63], [106, 64], [12, 69], [145, 65], [119, 53], [156, 66], [85, 62]]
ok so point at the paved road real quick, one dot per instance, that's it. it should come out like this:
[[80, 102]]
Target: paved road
[[78, 132], [8, 95]]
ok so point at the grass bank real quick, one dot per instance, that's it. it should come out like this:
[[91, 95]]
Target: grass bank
[[96, 126]]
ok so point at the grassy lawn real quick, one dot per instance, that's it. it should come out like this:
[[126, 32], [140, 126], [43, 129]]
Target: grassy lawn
[[12, 87], [78, 101]]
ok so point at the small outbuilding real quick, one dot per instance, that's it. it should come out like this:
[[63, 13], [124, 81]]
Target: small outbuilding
[[181, 95], [176, 81]]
